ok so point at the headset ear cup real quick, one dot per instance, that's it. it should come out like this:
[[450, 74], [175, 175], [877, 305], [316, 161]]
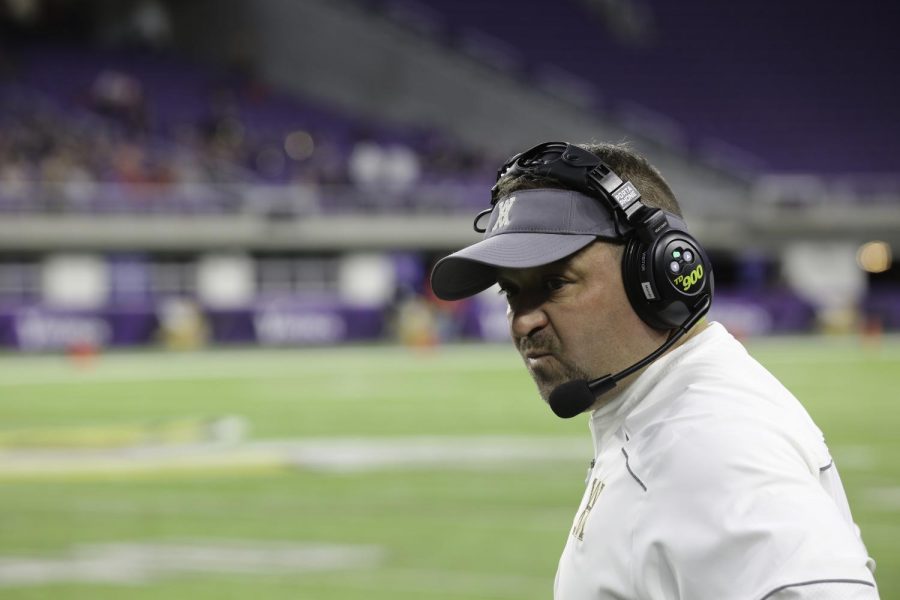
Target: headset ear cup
[[634, 263], [657, 294]]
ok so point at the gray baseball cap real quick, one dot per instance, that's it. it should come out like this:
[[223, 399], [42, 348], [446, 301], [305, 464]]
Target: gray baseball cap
[[527, 229]]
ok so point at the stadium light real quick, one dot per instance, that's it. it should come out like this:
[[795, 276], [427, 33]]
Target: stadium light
[[874, 256]]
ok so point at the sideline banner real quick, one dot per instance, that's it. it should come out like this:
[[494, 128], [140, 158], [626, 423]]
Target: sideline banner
[[296, 323], [35, 328]]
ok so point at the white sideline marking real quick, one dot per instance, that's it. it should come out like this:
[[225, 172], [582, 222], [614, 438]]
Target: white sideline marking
[[142, 562], [342, 455], [883, 498], [855, 457], [355, 567], [362, 454], [477, 584]]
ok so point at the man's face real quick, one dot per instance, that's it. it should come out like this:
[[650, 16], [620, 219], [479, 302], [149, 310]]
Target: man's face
[[571, 319]]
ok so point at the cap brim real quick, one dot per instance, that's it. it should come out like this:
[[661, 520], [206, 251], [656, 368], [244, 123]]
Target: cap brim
[[474, 268]]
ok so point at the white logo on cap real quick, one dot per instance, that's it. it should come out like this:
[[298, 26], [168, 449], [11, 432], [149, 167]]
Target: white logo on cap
[[503, 217]]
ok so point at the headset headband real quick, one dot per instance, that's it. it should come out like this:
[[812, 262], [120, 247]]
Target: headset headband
[[583, 171], [577, 169]]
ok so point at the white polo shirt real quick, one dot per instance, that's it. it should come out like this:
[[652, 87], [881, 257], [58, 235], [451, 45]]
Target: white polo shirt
[[711, 482]]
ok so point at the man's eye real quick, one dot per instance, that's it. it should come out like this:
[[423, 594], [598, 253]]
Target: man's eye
[[554, 284]]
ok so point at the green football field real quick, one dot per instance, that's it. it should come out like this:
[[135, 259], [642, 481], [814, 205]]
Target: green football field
[[353, 473]]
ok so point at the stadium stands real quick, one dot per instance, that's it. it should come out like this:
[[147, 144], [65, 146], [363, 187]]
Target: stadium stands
[[91, 130]]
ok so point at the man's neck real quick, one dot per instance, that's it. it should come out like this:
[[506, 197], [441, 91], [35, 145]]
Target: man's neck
[[625, 383]]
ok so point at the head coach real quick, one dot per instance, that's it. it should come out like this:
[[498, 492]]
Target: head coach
[[710, 481]]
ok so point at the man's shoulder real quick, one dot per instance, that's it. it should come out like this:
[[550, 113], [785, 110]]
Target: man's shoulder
[[732, 493], [715, 404], [742, 435], [737, 504]]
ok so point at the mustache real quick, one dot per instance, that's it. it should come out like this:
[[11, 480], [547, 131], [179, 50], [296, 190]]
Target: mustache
[[543, 344]]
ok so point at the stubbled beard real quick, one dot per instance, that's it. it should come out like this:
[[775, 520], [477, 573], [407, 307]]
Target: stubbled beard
[[554, 372]]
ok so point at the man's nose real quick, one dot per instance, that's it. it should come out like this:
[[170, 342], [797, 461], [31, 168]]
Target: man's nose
[[526, 319]]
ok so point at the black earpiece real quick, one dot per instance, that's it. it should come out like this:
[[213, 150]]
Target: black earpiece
[[666, 278]]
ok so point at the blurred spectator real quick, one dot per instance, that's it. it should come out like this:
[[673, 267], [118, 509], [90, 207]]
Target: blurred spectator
[[119, 96], [378, 168], [65, 181], [15, 175]]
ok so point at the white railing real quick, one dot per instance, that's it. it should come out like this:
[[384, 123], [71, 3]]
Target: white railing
[[813, 191], [290, 200]]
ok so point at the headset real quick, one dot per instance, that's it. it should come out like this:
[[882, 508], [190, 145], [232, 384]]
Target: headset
[[666, 272]]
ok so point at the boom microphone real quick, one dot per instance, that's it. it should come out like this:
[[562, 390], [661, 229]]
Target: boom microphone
[[574, 397]]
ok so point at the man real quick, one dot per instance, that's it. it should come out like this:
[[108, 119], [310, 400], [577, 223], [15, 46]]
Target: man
[[709, 480]]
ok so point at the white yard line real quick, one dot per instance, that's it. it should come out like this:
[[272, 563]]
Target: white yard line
[[354, 567], [468, 583], [342, 455], [856, 457], [141, 562], [885, 499]]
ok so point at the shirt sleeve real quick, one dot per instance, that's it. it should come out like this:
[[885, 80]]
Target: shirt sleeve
[[735, 512], [825, 590]]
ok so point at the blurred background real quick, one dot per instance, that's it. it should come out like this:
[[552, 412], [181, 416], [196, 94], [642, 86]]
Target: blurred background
[[222, 371]]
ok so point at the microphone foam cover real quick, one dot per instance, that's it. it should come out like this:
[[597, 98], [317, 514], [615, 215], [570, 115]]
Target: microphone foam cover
[[571, 398]]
